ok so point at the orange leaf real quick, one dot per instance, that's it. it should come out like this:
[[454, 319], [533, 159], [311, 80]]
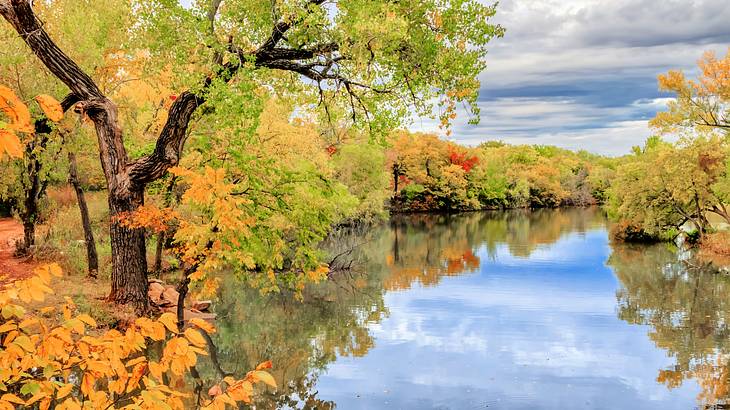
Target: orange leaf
[[18, 112], [262, 376], [195, 337], [203, 325], [137, 373], [10, 145], [265, 365], [50, 107], [87, 384], [64, 390], [241, 391], [11, 398], [170, 321]]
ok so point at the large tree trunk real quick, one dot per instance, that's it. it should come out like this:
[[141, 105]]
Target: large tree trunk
[[129, 253], [92, 258]]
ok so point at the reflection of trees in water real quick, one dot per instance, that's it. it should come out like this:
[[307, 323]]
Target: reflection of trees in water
[[424, 248], [303, 338], [300, 338], [688, 309]]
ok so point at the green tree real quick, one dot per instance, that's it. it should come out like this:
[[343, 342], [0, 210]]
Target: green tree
[[362, 168], [375, 57], [663, 185]]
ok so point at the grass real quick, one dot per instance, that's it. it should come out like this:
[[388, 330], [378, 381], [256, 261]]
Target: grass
[[60, 239]]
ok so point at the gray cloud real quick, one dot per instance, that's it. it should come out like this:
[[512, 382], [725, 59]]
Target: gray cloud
[[582, 73]]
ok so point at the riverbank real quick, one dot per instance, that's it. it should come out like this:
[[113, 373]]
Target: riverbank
[[715, 248]]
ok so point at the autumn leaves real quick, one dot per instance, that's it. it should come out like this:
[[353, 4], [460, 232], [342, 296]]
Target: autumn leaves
[[57, 358], [20, 120]]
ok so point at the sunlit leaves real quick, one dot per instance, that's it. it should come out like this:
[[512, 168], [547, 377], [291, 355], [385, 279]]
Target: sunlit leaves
[[259, 204], [664, 185], [50, 107], [148, 217], [203, 325], [104, 370], [170, 321], [700, 103], [15, 110], [385, 58], [10, 145]]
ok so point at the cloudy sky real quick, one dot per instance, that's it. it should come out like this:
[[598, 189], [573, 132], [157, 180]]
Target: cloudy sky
[[582, 73]]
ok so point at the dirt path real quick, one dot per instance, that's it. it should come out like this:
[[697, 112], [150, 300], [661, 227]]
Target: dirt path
[[12, 268]]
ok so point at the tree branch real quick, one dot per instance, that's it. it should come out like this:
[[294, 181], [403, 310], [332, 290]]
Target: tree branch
[[20, 15], [171, 141]]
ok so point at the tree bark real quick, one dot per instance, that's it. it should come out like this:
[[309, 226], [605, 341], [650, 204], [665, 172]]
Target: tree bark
[[92, 258], [161, 238], [28, 236], [396, 175], [129, 253], [33, 188]]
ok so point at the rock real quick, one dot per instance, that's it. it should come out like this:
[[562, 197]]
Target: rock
[[202, 305], [155, 292], [165, 297], [170, 296]]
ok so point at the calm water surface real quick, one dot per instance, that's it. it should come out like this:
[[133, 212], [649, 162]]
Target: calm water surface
[[498, 310]]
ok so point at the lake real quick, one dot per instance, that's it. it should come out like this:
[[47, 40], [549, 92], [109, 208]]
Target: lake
[[490, 310]]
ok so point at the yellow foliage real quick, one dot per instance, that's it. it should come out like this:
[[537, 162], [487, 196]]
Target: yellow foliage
[[699, 103], [60, 366]]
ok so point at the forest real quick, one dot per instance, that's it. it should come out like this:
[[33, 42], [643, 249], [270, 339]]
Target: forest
[[148, 141]]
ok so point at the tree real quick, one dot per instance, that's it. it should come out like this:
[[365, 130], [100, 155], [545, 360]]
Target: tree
[[663, 185], [31, 170], [701, 103], [362, 168], [372, 56], [92, 257]]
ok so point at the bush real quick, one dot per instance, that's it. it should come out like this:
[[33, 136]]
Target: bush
[[626, 231], [49, 360]]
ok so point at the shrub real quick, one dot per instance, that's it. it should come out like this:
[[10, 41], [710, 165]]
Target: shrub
[[45, 365], [626, 231]]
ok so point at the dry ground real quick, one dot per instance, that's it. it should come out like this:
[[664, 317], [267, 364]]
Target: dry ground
[[12, 268]]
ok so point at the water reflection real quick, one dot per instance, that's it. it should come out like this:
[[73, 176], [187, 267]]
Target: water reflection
[[488, 310], [686, 305], [425, 248]]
